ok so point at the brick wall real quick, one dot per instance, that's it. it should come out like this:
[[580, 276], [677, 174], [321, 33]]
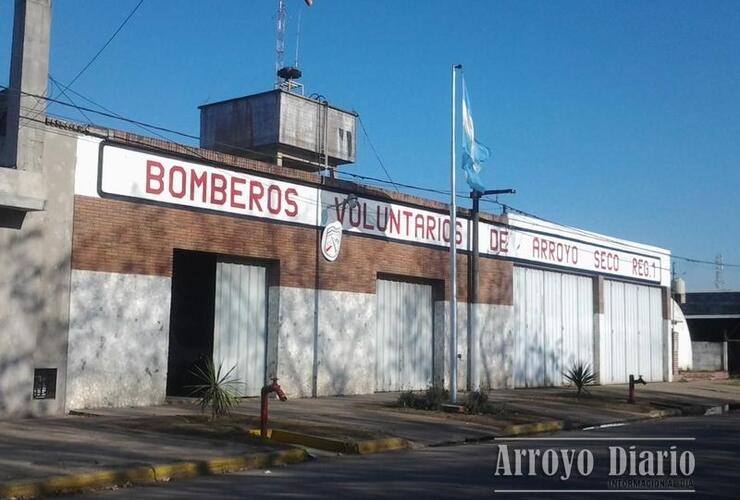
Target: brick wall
[[138, 238]]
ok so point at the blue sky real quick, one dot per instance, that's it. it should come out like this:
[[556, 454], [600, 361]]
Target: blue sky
[[618, 117]]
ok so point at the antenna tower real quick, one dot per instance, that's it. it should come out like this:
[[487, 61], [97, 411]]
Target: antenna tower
[[719, 267], [286, 75]]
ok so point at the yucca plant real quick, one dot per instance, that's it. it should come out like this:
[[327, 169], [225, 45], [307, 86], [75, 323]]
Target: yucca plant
[[580, 375], [217, 389]]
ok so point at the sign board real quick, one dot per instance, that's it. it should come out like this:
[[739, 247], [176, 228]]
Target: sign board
[[133, 174], [556, 250]]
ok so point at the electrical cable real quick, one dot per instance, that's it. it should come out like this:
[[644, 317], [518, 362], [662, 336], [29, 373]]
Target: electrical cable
[[382, 181], [372, 146], [105, 45]]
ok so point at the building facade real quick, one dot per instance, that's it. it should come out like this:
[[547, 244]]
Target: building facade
[[127, 261], [173, 255], [713, 319]]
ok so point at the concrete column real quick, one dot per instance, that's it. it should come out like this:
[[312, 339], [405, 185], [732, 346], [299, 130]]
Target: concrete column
[[667, 336], [598, 288], [22, 185], [29, 71]]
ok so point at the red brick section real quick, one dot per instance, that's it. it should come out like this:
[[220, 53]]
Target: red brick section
[[137, 238]]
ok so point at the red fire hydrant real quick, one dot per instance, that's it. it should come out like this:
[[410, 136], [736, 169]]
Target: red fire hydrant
[[274, 387], [631, 397]]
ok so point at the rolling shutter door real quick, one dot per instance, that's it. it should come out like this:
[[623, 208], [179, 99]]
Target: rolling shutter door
[[240, 324], [632, 340], [404, 336], [553, 325]]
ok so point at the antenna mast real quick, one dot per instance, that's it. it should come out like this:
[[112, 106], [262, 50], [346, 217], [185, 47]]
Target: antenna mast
[[286, 75], [280, 45]]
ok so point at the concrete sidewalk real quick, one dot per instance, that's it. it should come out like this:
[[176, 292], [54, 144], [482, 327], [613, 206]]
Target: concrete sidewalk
[[608, 404], [44, 447], [377, 412], [37, 448]]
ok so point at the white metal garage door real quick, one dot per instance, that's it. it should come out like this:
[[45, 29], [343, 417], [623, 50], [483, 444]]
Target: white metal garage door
[[240, 324], [632, 338], [404, 336], [553, 325]]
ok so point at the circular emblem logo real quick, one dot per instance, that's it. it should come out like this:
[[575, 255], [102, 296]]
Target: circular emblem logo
[[331, 241]]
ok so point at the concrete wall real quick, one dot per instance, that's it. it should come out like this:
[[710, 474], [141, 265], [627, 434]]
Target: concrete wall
[[345, 344], [442, 354], [118, 339], [707, 356], [34, 279], [495, 340], [295, 346]]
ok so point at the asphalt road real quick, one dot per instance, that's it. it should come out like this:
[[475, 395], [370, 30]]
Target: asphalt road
[[467, 471]]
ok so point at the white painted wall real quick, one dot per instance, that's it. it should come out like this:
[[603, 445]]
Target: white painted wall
[[680, 326], [442, 355], [345, 343], [495, 340], [118, 340], [296, 329]]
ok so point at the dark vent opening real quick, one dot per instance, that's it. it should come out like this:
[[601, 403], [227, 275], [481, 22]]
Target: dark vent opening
[[45, 383]]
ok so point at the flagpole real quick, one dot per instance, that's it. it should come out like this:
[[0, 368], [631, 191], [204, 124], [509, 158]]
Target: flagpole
[[453, 249]]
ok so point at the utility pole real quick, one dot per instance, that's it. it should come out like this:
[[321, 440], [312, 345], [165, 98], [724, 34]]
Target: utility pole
[[474, 282]]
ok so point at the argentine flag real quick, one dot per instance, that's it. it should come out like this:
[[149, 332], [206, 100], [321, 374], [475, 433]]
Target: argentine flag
[[474, 153]]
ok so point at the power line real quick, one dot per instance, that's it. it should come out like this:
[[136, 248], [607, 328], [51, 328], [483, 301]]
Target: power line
[[155, 128], [63, 88], [64, 93], [372, 146], [105, 45]]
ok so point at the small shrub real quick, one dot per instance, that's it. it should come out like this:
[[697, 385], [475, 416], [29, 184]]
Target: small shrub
[[431, 399], [476, 402], [435, 397], [409, 399], [580, 375], [217, 389]]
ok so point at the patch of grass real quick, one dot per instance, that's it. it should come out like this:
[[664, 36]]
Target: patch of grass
[[234, 428], [431, 399]]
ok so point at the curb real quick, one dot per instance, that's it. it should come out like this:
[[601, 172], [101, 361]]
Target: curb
[[349, 447], [534, 428], [147, 474], [557, 425], [509, 431]]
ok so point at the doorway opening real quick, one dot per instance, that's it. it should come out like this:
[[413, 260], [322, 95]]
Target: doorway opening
[[191, 318]]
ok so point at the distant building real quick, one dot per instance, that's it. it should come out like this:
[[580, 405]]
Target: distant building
[[126, 261], [713, 318]]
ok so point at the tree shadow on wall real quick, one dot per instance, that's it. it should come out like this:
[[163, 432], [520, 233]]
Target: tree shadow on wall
[[33, 325]]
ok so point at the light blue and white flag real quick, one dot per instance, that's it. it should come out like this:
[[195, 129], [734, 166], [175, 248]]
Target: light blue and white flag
[[474, 153]]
